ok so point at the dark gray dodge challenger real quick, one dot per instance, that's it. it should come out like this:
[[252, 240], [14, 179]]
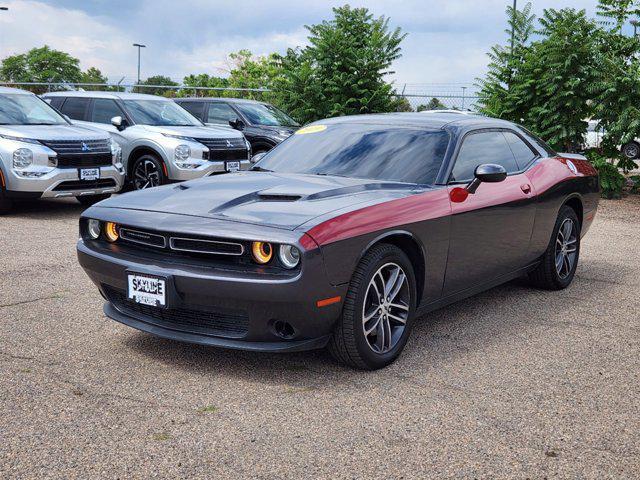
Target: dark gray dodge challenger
[[342, 235]]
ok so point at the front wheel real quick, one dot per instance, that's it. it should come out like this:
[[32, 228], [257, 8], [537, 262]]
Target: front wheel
[[88, 200], [147, 172], [378, 311], [559, 262]]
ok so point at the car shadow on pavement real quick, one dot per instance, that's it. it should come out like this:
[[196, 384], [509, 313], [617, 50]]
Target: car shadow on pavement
[[438, 338], [58, 208]]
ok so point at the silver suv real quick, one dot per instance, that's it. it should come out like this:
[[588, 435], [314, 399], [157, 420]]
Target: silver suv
[[44, 155], [161, 142]]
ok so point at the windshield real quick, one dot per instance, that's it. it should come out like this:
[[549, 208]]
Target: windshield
[[260, 114], [160, 113], [24, 109], [377, 152]]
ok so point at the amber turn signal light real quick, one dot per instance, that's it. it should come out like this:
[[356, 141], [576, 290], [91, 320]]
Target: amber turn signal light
[[111, 231], [262, 252]]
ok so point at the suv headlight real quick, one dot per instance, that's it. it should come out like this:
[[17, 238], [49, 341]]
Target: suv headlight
[[289, 256], [116, 152], [182, 152], [22, 158]]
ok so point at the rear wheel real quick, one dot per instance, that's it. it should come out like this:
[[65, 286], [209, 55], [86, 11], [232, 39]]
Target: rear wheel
[[378, 311], [559, 263], [147, 172], [88, 200]]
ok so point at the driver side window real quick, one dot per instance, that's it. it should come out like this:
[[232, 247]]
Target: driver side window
[[479, 148]]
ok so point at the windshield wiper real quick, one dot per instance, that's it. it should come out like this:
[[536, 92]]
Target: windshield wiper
[[43, 124], [258, 168], [324, 174]]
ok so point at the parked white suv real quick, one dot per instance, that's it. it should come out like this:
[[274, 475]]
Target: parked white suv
[[43, 155], [161, 142]]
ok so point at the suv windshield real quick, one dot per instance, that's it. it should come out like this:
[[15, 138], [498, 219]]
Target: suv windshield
[[261, 114], [160, 113], [25, 109], [401, 154]]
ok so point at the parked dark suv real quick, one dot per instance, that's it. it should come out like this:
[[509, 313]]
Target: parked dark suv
[[264, 125]]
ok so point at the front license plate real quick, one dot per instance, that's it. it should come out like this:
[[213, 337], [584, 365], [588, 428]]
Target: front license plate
[[147, 290], [89, 173], [233, 166]]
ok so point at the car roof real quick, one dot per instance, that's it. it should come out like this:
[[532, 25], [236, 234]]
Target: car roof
[[113, 95], [218, 99], [6, 90], [434, 120]]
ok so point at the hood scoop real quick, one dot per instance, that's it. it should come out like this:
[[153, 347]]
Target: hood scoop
[[278, 197]]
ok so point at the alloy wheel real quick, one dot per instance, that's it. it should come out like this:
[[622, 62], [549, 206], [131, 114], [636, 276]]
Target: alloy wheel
[[566, 248], [146, 175], [386, 308]]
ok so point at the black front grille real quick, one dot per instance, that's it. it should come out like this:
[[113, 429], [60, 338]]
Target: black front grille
[[221, 149], [81, 153], [85, 184], [195, 319]]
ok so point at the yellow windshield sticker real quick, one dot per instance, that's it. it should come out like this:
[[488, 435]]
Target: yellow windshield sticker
[[311, 129]]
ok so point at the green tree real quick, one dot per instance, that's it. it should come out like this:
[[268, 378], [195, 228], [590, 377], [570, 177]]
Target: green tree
[[159, 80], [93, 75], [41, 65], [249, 71], [433, 104], [496, 98], [343, 70], [203, 80]]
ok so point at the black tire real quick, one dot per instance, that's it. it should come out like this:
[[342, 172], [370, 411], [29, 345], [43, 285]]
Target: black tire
[[6, 204], [88, 200], [150, 164], [547, 275], [349, 344], [631, 150]]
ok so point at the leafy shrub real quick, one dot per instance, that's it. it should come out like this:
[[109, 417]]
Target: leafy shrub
[[611, 180]]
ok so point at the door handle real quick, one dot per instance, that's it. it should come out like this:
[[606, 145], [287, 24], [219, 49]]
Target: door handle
[[526, 188]]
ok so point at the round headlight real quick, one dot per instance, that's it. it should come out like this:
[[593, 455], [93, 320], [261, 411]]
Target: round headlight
[[22, 158], [262, 252], [182, 152], [93, 228], [289, 256], [111, 231]]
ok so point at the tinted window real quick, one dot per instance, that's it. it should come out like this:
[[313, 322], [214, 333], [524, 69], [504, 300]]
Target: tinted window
[[55, 101], [221, 113], [104, 110], [377, 152], [479, 148], [264, 114], [520, 150], [537, 141], [194, 108], [75, 107]]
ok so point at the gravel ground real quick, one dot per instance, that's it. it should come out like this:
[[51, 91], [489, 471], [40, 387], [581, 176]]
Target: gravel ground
[[512, 383]]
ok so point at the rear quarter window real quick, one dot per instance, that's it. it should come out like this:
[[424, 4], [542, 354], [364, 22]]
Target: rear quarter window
[[75, 107]]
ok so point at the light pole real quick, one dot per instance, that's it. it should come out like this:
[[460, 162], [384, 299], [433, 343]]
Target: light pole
[[635, 24], [4, 9], [464, 89], [139, 46]]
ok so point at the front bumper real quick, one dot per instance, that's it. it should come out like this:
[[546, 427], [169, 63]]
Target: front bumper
[[219, 307], [210, 168], [64, 182]]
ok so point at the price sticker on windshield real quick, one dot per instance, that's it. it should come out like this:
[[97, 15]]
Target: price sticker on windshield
[[311, 129]]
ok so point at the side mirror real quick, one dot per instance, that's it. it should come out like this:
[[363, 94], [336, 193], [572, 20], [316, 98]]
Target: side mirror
[[486, 173], [119, 122], [237, 124], [257, 157]]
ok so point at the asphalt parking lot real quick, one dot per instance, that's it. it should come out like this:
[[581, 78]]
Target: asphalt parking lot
[[512, 383]]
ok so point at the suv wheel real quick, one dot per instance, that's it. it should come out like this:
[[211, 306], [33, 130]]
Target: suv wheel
[[378, 311], [147, 172], [631, 150]]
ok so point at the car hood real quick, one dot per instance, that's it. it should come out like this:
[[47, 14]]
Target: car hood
[[264, 198], [196, 132], [53, 132]]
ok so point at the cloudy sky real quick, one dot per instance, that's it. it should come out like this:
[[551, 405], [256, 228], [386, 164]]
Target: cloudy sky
[[446, 43]]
